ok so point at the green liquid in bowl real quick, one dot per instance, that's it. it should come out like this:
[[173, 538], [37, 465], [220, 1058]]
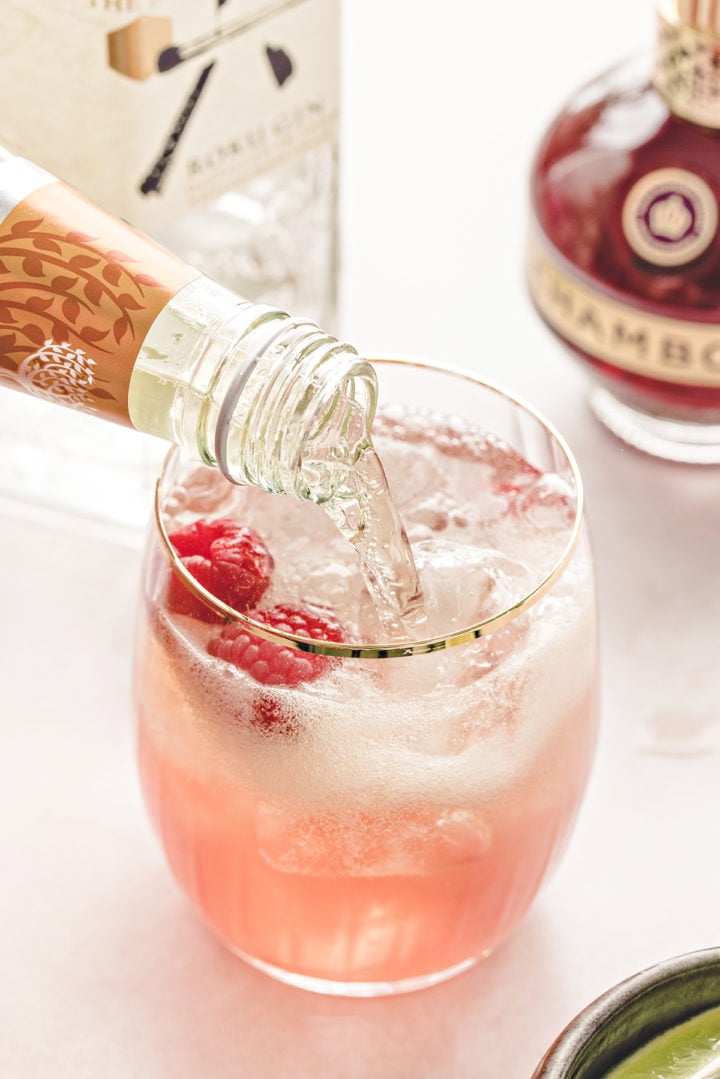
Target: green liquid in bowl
[[690, 1050]]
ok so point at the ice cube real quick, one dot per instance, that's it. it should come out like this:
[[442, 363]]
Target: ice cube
[[200, 492], [336, 584], [435, 514], [463, 584], [549, 503], [484, 655], [412, 472], [369, 842]]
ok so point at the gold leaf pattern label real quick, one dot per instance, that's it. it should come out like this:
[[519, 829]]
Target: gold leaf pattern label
[[79, 291]]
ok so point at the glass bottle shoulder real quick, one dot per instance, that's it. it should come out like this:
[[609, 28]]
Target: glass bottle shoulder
[[612, 134], [593, 144]]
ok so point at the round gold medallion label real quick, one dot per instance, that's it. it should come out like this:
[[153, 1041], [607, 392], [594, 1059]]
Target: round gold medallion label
[[670, 217]]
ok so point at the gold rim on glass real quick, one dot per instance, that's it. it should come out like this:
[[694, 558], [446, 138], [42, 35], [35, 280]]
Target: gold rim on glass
[[391, 649]]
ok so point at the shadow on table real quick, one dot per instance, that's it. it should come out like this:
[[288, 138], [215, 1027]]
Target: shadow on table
[[654, 526]]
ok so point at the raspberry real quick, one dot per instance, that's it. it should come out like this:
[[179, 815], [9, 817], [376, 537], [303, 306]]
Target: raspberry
[[179, 597], [242, 566], [198, 538], [228, 559], [274, 664]]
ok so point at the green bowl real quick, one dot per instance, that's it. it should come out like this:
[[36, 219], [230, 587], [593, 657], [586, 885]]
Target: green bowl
[[631, 1014]]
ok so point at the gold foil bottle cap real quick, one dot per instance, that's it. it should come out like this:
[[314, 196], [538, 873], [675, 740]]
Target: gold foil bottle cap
[[687, 63]]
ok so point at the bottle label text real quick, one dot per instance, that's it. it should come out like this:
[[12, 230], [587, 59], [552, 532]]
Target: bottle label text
[[668, 349]]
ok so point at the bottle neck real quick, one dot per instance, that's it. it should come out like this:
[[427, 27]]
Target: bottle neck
[[296, 416], [687, 64], [270, 400]]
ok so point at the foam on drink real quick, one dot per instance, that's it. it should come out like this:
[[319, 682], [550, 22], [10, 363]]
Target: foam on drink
[[426, 727]]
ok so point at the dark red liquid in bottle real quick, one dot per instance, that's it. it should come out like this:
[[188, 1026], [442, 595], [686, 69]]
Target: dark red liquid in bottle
[[616, 132]]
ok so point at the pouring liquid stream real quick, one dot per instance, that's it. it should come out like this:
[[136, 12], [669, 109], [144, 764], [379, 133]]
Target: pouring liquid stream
[[340, 471], [365, 514]]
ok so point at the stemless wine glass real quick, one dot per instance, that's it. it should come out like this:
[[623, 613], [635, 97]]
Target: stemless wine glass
[[358, 815]]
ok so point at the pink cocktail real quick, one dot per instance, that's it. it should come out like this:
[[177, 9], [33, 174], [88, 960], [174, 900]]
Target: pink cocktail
[[363, 817]]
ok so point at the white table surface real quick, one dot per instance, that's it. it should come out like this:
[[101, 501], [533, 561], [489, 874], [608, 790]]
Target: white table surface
[[105, 972]]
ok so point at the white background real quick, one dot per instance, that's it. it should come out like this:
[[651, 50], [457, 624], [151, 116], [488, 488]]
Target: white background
[[105, 972]]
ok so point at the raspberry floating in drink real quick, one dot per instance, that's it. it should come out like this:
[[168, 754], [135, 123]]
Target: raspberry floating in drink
[[272, 664], [228, 559]]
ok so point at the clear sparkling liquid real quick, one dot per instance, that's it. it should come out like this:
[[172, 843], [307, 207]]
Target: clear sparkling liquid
[[343, 473], [365, 514], [452, 528]]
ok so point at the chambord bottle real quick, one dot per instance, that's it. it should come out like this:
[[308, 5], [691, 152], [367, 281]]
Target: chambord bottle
[[624, 251]]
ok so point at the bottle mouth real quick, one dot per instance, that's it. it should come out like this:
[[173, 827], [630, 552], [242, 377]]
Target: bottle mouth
[[304, 395], [394, 649]]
